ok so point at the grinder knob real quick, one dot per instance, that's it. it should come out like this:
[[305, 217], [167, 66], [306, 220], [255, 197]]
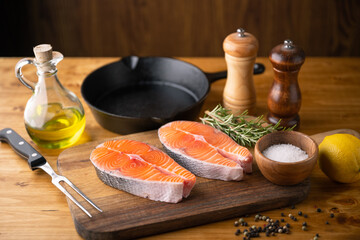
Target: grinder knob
[[284, 99], [240, 53]]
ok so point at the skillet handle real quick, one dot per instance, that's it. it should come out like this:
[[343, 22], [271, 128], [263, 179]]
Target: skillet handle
[[23, 148], [258, 69], [212, 77]]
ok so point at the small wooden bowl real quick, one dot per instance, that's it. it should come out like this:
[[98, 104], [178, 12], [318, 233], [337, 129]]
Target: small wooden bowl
[[286, 173]]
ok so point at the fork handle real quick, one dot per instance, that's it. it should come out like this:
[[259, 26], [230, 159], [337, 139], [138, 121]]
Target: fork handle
[[23, 148]]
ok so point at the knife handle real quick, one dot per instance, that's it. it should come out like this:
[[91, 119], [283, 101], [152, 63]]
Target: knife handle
[[23, 148]]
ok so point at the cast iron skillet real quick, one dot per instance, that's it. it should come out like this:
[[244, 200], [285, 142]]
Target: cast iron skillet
[[142, 93]]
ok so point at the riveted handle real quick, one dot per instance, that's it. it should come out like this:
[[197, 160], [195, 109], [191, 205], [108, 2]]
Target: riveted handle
[[23, 148]]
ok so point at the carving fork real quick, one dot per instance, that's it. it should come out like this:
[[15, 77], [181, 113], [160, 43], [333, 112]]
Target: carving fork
[[36, 160]]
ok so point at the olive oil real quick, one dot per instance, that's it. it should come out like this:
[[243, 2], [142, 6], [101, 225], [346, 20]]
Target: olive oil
[[54, 116], [59, 127]]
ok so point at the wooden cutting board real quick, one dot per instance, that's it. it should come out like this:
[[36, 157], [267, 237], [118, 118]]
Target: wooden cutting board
[[126, 216]]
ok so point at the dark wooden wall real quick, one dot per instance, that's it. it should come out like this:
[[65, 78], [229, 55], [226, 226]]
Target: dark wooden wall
[[177, 27]]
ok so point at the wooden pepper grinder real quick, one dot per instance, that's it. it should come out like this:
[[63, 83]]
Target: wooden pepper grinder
[[240, 53], [284, 99]]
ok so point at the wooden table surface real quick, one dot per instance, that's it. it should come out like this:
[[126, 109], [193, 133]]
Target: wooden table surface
[[32, 208]]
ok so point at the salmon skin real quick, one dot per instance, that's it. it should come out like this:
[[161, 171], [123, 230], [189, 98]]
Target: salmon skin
[[205, 151], [142, 170]]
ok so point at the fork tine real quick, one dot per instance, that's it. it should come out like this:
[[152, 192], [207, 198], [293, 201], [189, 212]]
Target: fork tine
[[57, 184], [56, 179], [80, 193]]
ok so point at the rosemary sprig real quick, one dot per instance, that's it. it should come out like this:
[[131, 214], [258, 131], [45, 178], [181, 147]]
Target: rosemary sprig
[[240, 128]]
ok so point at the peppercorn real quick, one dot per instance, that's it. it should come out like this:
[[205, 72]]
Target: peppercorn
[[245, 224], [318, 210], [237, 233], [280, 230], [300, 213], [304, 224], [282, 220], [287, 225], [236, 223], [332, 215], [304, 228], [282, 214], [315, 238], [317, 235], [290, 215], [241, 220], [326, 222], [305, 215]]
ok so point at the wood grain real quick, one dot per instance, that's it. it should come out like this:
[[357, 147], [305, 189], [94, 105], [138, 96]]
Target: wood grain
[[239, 92], [209, 201], [240, 53], [178, 27], [284, 100], [32, 208]]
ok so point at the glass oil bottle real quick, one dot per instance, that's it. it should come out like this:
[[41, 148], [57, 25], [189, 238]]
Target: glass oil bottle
[[54, 116]]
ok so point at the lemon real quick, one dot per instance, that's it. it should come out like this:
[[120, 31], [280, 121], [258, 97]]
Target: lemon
[[339, 157]]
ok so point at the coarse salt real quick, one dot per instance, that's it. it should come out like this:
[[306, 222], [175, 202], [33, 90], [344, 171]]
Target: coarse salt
[[285, 153]]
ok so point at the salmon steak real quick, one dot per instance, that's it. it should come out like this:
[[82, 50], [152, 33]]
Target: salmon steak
[[205, 151], [142, 170]]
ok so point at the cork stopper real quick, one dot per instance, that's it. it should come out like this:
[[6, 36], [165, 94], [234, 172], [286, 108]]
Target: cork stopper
[[241, 44], [287, 56], [44, 54]]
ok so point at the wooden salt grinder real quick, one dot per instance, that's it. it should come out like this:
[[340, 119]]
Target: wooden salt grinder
[[284, 99], [240, 53]]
